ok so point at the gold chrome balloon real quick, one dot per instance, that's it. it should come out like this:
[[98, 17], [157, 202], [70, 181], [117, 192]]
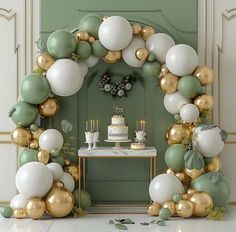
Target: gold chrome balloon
[[73, 171], [214, 165], [169, 83], [21, 136], [147, 31], [204, 74], [170, 171], [203, 204], [178, 133], [191, 192], [182, 177], [154, 209], [164, 70], [112, 57], [185, 196], [19, 213], [44, 61], [34, 144], [67, 162], [204, 102], [43, 156], [194, 173], [105, 17], [48, 108], [137, 28], [91, 39], [38, 70], [37, 133], [58, 184], [35, 208], [184, 208], [82, 35], [141, 54], [171, 206]]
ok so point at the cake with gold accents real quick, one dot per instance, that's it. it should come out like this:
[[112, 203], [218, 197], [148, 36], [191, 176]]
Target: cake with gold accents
[[118, 130]]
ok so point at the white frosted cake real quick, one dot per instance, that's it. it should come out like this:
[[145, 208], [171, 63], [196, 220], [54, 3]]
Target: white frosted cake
[[118, 130]]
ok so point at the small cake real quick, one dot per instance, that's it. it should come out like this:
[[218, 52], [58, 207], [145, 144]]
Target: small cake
[[118, 130], [137, 146]]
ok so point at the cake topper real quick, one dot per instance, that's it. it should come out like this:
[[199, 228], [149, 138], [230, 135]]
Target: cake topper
[[118, 109]]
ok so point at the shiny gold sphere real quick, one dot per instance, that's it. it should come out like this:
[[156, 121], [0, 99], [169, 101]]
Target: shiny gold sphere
[[214, 165], [34, 144], [204, 75], [204, 102], [44, 61], [169, 83], [147, 31], [141, 54], [182, 177], [185, 196], [48, 108], [177, 133], [194, 173], [67, 162], [91, 39], [38, 70], [191, 192], [112, 57], [164, 70], [19, 213], [73, 171], [170, 171], [82, 35], [58, 184], [36, 134], [137, 29], [184, 208], [35, 208], [171, 206], [154, 209], [21, 136], [43, 156]]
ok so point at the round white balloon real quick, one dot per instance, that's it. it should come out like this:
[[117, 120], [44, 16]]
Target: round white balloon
[[18, 202], [56, 170], [84, 68], [92, 61], [189, 113], [128, 54], [181, 60], [115, 33], [33, 180], [163, 187], [173, 102], [65, 77], [51, 139], [68, 181], [159, 44]]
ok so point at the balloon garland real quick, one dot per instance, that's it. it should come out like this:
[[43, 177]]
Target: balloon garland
[[192, 184]]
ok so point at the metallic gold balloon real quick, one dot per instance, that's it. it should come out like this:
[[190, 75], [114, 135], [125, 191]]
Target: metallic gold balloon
[[82, 35], [204, 74], [35, 208], [154, 209], [178, 133], [191, 192], [147, 31], [184, 208], [59, 202], [141, 54], [105, 17], [203, 204], [164, 70], [67, 162], [73, 171], [170, 171], [204, 102], [182, 177], [169, 83], [171, 206], [214, 165], [58, 184], [21, 136], [38, 70], [19, 213], [194, 173], [91, 39], [43, 156], [112, 57], [44, 61], [48, 108], [185, 196], [37, 133], [34, 144], [137, 29]]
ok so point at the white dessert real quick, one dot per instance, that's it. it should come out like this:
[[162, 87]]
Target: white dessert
[[118, 120]]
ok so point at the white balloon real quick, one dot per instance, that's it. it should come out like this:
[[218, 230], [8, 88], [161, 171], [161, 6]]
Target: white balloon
[[56, 170], [159, 44], [115, 33], [163, 187], [208, 142], [68, 181], [33, 180], [91, 61], [18, 202], [84, 68], [51, 139], [181, 60], [65, 77], [189, 113], [173, 102], [128, 54]]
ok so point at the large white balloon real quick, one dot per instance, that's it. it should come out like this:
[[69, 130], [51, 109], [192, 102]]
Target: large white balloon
[[159, 44], [163, 187], [92, 61], [189, 113], [181, 60], [65, 77], [208, 142], [84, 67], [18, 202], [68, 181], [51, 139], [115, 33], [56, 170], [173, 102], [33, 180]]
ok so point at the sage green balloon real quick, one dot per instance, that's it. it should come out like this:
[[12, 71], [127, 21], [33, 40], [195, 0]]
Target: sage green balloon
[[34, 88], [84, 50], [151, 69], [174, 157], [177, 197], [189, 86], [98, 50], [6, 211], [85, 199], [23, 114], [59, 159], [28, 155], [61, 44], [91, 24], [164, 214]]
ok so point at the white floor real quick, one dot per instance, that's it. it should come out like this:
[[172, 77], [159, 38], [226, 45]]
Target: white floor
[[99, 223]]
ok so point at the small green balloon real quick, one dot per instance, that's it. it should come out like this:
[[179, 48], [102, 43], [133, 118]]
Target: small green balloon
[[98, 50], [28, 155], [189, 86], [34, 88], [177, 197], [85, 199], [33, 127], [151, 69], [84, 50], [61, 44], [91, 24], [55, 152], [151, 57], [6, 211], [164, 214], [59, 159]]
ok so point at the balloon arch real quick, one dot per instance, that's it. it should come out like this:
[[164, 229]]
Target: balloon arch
[[192, 184]]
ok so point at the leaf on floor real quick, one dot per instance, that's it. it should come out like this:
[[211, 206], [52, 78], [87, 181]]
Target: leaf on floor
[[217, 214], [121, 226]]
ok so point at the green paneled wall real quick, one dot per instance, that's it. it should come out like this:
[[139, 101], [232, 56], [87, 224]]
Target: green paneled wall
[[120, 180]]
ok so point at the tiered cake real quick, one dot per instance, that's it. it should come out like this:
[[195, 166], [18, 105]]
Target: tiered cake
[[118, 130]]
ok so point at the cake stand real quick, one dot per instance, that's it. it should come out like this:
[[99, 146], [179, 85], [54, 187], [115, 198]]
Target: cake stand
[[117, 142]]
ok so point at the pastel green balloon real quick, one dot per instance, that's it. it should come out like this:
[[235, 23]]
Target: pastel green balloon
[[61, 44], [55, 152], [174, 157], [23, 114], [84, 50], [98, 50], [91, 24], [189, 86], [164, 214], [151, 69], [33, 127], [6, 211], [85, 199], [177, 197], [28, 155], [59, 159], [34, 88], [151, 57]]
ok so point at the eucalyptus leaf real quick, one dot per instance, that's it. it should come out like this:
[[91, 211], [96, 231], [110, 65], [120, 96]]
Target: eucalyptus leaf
[[206, 127], [161, 223], [42, 44], [111, 222], [144, 223], [215, 177], [223, 135], [125, 221], [194, 160], [153, 221], [121, 226], [216, 214], [66, 126]]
